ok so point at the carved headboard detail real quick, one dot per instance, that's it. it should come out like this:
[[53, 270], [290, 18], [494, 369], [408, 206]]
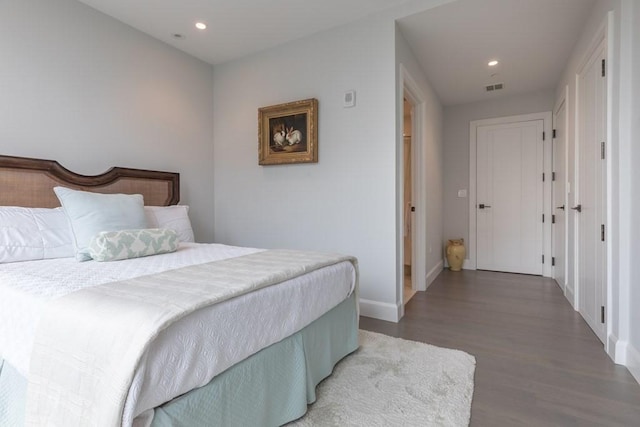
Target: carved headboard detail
[[29, 183]]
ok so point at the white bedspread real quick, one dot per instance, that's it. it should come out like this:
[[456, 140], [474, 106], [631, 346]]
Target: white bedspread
[[260, 318]]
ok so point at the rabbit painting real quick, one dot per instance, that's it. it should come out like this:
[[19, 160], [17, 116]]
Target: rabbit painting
[[294, 136], [288, 133]]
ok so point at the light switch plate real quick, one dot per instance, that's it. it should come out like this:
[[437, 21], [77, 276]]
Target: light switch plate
[[349, 99], [462, 193]]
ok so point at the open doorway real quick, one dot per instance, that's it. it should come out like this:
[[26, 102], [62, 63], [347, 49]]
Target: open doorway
[[408, 160], [412, 210]]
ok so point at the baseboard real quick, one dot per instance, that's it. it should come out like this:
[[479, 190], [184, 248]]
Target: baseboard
[[380, 310], [434, 273], [633, 361], [466, 265]]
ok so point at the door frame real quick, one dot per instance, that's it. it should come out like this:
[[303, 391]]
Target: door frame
[[414, 165], [563, 99], [546, 117], [410, 89]]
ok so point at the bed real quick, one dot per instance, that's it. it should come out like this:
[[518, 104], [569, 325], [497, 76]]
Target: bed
[[207, 334]]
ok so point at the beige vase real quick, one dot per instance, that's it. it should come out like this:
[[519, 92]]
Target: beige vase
[[455, 254]]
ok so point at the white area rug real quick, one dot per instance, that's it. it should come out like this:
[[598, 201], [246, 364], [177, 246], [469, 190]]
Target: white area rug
[[394, 382]]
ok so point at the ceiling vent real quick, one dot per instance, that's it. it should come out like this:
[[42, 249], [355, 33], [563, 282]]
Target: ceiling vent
[[497, 86]]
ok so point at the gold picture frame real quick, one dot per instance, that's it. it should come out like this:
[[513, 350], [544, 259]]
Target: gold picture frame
[[288, 133]]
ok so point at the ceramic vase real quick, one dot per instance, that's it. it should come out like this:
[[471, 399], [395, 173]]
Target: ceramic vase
[[455, 254]]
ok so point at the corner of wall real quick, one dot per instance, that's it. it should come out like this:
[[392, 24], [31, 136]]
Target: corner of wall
[[569, 294], [434, 273], [632, 362], [380, 310]]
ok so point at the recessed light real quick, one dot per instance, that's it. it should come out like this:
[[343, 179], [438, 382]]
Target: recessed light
[[493, 63], [201, 25]]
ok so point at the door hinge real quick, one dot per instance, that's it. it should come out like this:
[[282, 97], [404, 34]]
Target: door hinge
[[602, 232], [543, 218], [553, 261], [553, 219], [543, 259], [603, 68], [543, 177], [554, 133], [544, 136], [602, 150], [602, 314], [553, 176], [413, 208]]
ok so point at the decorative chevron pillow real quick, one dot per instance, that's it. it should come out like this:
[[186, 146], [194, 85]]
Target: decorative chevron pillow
[[125, 244]]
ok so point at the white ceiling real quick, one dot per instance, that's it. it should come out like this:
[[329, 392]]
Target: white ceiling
[[236, 28], [531, 38]]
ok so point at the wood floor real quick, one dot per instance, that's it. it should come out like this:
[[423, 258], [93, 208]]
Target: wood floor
[[537, 361]]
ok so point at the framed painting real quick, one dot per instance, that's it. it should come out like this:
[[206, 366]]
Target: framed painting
[[288, 133]]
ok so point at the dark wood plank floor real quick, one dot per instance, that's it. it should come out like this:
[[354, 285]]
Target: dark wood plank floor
[[537, 361]]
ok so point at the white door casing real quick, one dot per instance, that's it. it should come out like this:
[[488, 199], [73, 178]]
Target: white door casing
[[409, 88], [560, 202], [510, 197], [591, 191], [544, 201]]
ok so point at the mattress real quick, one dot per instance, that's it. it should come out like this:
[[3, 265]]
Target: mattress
[[226, 333]]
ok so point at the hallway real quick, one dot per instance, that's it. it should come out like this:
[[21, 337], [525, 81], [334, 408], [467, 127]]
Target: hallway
[[538, 363]]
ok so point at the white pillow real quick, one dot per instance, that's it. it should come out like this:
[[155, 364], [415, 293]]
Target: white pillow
[[172, 217], [28, 234], [91, 213]]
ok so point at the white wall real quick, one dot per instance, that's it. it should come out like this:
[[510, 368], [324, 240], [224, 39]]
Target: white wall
[[86, 90], [347, 201], [344, 203], [431, 160], [633, 356], [456, 150]]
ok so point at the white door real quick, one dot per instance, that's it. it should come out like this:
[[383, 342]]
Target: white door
[[590, 209], [560, 195], [509, 196]]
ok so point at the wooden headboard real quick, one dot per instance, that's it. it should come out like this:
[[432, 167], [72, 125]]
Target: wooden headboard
[[29, 183]]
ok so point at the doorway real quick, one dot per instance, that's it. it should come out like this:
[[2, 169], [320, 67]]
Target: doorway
[[417, 215], [509, 221], [509, 195], [408, 197]]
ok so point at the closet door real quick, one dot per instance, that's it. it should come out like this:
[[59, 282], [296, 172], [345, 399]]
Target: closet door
[[590, 203], [560, 195]]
